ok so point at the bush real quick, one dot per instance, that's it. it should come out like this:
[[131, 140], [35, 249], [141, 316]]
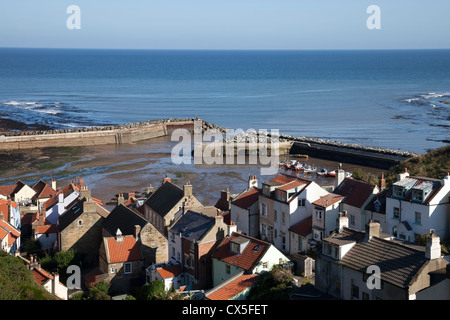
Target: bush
[[273, 285]]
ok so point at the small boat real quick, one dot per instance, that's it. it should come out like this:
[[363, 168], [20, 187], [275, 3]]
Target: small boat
[[297, 166], [331, 173], [322, 172], [309, 169]]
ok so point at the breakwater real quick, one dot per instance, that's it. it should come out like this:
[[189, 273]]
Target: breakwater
[[88, 136]]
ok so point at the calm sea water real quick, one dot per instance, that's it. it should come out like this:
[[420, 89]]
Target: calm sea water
[[393, 99]]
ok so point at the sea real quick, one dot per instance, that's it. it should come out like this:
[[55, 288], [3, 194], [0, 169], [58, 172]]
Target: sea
[[397, 99]]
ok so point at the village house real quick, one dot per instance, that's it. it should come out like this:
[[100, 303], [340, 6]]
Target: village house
[[375, 210], [285, 201], [44, 192], [170, 274], [325, 213], [357, 194], [80, 226], [301, 235], [414, 205], [7, 192], [162, 205], [60, 201], [11, 212], [348, 257], [9, 236], [244, 209], [49, 281], [153, 243], [439, 288], [44, 231], [121, 259], [241, 253], [192, 240]]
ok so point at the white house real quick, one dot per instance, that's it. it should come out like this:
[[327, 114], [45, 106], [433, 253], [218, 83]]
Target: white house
[[245, 210], [169, 274], [11, 212], [240, 253], [285, 201], [24, 193], [415, 205], [325, 213], [9, 237], [59, 203]]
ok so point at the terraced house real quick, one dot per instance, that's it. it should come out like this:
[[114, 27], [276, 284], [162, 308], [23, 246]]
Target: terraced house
[[415, 205]]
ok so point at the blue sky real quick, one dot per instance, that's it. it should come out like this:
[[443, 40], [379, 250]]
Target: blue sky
[[225, 24]]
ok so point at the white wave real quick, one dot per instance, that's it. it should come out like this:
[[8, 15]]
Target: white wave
[[432, 95]]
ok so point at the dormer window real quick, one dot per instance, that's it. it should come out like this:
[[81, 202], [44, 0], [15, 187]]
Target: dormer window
[[237, 245], [398, 191]]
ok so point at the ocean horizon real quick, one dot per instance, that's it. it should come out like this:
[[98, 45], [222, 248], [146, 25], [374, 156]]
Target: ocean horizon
[[398, 99]]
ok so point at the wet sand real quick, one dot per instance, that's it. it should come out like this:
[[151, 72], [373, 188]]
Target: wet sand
[[112, 169]]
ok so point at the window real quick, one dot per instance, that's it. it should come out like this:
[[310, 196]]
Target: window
[[192, 262], [283, 242], [228, 269], [265, 265], [173, 252], [283, 217], [318, 215], [365, 296], [394, 231], [300, 243], [398, 191], [276, 233], [355, 292], [301, 202], [275, 215], [178, 256], [80, 223], [127, 267], [396, 213], [113, 270], [418, 218], [352, 219], [263, 210]]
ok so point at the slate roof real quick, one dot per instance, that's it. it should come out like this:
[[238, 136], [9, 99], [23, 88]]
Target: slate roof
[[234, 287], [126, 250], [247, 198], [193, 225], [123, 218], [165, 198], [248, 259], [417, 182], [381, 198], [75, 209], [303, 228], [398, 263], [355, 192]]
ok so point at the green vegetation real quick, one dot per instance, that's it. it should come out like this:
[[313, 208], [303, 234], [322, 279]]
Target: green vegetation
[[17, 283], [273, 285], [423, 239], [61, 260], [154, 291], [368, 177], [98, 292], [433, 164]]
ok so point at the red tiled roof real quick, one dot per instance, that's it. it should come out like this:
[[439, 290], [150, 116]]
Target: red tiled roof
[[7, 190], [283, 179], [169, 272], [291, 185], [69, 189], [328, 200], [355, 192], [123, 251], [50, 228], [303, 228], [248, 258], [41, 276], [247, 198], [13, 232], [47, 192], [235, 287], [91, 278], [3, 233], [4, 207]]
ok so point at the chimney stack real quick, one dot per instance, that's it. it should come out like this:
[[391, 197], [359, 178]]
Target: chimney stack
[[137, 231], [187, 188], [433, 248], [89, 205], [232, 227], [120, 199], [119, 237], [167, 179], [403, 175], [54, 184], [55, 282], [2, 217], [252, 182], [342, 221], [340, 176], [382, 182], [85, 192], [372, 230]]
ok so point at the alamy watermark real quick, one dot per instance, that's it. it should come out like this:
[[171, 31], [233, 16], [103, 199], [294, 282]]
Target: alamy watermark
[[74, 281], [374, 280], [212, 147], [374, 21], [74, 20]]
